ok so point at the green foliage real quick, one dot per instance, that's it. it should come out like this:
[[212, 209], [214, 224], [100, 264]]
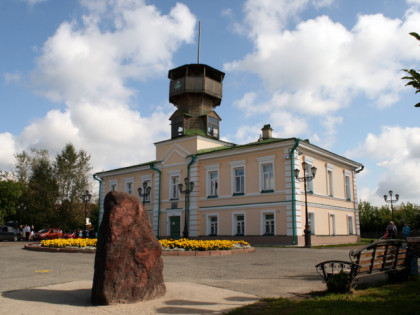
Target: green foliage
[[371, 301], [52, 189], [375, 219], [10, 193], [339, 283], [413, 75]]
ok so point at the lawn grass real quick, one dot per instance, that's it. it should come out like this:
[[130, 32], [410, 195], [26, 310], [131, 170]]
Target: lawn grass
[[404, 297]]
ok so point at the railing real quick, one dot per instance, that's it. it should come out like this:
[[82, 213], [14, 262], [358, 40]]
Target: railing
[[196, 85]]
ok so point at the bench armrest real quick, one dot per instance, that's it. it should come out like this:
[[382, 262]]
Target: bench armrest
[[330, 268]]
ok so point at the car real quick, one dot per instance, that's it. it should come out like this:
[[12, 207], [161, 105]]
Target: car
[[48, 234], [74, 234], [9, 233]]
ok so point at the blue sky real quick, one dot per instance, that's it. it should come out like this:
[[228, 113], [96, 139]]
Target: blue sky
[[94, 73]]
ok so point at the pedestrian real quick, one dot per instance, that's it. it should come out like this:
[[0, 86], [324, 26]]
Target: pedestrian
[[27, 232], [391, 231], [406, 231]]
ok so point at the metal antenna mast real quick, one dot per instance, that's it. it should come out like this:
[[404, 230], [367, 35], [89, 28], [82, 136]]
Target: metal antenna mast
[[199, 39]]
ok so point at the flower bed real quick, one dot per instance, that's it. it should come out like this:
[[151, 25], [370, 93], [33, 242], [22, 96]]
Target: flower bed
[[167, 245], [64, 243], [198, 245]]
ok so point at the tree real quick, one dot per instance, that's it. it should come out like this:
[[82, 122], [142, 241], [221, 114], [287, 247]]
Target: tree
[[52, 194], [414, 76], [71, 171], [10, 193], [42, 194]]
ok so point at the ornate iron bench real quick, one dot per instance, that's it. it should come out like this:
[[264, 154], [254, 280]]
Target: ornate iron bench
[[385, 256]]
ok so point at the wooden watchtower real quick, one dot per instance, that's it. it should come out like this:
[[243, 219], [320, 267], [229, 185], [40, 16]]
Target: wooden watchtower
[[195, 90]]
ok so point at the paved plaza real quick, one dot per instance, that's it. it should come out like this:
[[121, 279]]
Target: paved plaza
[[60, 283]]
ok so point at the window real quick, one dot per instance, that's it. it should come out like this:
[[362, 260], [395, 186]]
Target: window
[[347, 185], [212, 225], [212, 187], [268, 223], [330, 182], [267, 177], [331, 224], [239, 181], [266, 173], [238, 224], [214, 178], [212, 127], [129, 188], [173, 189], [350, 223], [129, 184], [113, 185], [312, 222], [237, 177]]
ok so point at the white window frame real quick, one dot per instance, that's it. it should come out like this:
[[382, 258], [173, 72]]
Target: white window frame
[[173, 188], [312, 222], [331, 224], [263, 221], [330, 180], [347, 184], [350, 224], [211, 169], [209, 223], [235, 166], [235, 221], [263, 161], [113, 185], [129, 185]]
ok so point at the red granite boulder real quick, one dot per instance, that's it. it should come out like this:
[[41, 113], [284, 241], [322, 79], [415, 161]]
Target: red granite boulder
[[128, 262]]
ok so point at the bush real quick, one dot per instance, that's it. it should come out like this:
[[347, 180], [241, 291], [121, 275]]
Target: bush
[[339, 283]]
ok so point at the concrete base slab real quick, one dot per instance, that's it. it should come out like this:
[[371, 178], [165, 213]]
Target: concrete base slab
[[74, 297]]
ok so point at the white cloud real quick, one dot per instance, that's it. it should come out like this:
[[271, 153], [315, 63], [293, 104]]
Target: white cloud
[[396, 152], [320, 66], [7, 151], [12, 77], [34, 2], [86, 65]]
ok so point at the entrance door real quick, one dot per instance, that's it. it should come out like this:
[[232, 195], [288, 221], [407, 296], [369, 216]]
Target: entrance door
[[175, 226]]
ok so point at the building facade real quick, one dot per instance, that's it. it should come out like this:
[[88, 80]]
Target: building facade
[[240, 191]]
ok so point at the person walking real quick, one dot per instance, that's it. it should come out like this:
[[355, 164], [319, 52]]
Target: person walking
[[406, 231], [391, 231], [27, 232]]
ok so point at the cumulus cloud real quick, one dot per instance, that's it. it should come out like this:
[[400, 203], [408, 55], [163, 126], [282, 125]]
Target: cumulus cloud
[[86, 65], [320, 66], [396, 152]]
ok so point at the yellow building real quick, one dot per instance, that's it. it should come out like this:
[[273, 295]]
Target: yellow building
[[245, 191]]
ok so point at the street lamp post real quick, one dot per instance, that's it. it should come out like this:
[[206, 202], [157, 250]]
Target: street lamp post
[[86, 199], [305, 179], [391, 201], [189, 186], [145, 192]]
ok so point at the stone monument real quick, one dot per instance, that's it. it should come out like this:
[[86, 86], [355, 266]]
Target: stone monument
[[128, 262]]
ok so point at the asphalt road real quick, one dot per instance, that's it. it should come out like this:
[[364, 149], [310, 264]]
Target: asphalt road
[[267, 272]]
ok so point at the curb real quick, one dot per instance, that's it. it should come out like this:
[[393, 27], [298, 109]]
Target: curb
[[36, 247]]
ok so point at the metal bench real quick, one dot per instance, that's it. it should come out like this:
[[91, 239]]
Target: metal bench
[[388, 257]]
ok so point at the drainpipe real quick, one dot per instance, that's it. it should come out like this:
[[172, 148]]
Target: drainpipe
[[292, 154], [160, 176], [99, 205], [188, 195]]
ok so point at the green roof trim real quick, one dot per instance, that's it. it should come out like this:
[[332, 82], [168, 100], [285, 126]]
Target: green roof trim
[[241, 146], [127, 167]]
